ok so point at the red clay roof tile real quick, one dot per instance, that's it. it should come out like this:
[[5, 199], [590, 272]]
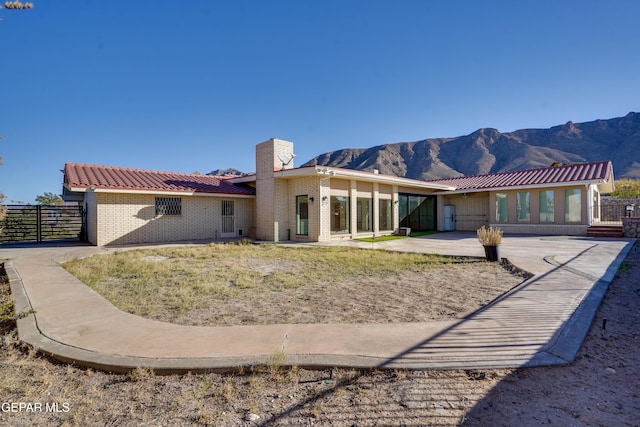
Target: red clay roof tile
[[593, 171], [116, 178]]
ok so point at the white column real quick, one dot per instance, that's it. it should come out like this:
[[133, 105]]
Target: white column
[[353, 208]]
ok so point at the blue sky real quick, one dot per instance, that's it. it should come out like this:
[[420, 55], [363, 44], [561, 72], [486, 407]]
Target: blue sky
[[195, 85]]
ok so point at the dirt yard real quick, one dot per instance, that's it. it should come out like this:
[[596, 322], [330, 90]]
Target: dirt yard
[[602, 388], [223, 285]]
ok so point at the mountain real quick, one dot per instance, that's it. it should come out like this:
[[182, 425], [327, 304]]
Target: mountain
[[488, 151], [231, 172]]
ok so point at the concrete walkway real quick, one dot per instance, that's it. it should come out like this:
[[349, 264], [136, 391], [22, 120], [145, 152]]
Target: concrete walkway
[[541, 322]]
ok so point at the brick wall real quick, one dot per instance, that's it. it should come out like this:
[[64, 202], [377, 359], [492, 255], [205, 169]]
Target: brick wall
[[272, 204], [306, 186], [130, 219]]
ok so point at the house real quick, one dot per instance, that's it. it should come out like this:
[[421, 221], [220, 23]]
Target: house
[[129, 206], [280, 202], [556, 200]]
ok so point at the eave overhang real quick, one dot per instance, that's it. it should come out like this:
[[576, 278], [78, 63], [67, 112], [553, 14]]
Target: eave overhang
[[328, 172], [155, 192]]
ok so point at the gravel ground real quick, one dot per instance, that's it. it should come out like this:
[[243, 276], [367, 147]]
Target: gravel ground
[[601, 388]]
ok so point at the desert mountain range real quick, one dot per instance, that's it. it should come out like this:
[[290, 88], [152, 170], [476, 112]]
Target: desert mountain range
[[488, 151]]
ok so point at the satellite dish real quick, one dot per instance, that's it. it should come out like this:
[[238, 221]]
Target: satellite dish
[[286, 162]]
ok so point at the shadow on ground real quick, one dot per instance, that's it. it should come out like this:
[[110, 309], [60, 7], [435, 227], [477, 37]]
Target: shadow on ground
[[602, 386]]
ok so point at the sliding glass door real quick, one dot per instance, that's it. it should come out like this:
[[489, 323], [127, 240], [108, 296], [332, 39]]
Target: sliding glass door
[[417, 212]]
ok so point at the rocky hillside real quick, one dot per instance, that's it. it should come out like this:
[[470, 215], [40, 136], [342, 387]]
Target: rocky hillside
[[489, 151], [232, 172]]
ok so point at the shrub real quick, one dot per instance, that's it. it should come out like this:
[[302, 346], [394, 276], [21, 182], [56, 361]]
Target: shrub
[[489, 236]]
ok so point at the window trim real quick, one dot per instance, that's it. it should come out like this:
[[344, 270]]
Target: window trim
[[388, 218], [502, 200], [364, 219], [523, 206], [544, 215], [346, 202], [302, 228], [567, 215]]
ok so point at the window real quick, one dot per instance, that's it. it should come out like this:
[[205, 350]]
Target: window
[[340, 214], [502, 208], [573, 205], [523, 206], [302, 215], [364, 214], [168, 206], [403, 210], [417, 212], [385, 218], [546, 206]]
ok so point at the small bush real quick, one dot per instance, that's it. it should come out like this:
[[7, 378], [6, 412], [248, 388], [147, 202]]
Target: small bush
[[140, 374], [489, 236]]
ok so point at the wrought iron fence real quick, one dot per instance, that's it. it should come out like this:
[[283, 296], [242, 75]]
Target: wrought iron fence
[[612, 213], [38, 223]]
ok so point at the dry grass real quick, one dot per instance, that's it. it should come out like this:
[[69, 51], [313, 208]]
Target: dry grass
[[227, 284], [489, 236], [584, 393], [7, 316]]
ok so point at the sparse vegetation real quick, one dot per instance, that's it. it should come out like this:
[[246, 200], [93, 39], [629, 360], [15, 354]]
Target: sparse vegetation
[[627, 189], [276, 360], [219, 285], [624, 267], [49, 199], [343, 397], [382, 238], [7, 315]]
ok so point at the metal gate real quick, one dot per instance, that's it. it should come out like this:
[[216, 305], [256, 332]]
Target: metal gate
[[228, 219], [612, 213], [39, 223]]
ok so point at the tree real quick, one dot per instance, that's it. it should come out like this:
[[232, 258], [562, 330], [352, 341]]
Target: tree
[[16, 5], [49, 199], [627, 189]]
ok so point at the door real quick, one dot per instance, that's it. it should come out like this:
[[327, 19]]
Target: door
[[228, 219], [417, 212]]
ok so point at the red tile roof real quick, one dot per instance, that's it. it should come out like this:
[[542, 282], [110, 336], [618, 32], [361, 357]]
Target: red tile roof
[[81, 176], [579, 172]]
